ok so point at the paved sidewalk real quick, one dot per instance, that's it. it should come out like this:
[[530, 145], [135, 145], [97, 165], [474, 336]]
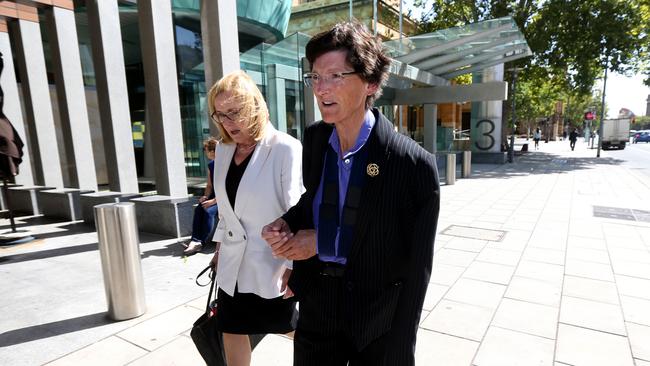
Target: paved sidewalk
[[541, 262]]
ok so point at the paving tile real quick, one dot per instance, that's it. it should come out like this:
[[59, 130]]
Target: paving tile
[[489, 272], [445, 274], [633, 255], [499, 256], [632, 269], [535, 291], [641, 362], [110, 351], [503, 347], [624, 242], [544, 255], [589, 243], [593, 270], [592, 315], [466, 244], [587, 254], [558, 243], [435, 292], [453, 257], [584, 229], [199, 302], [580, 346], [273, 350], [170, 354], [435, 348], [636, 310], [521, 316], [586, 288], [159, 330], [476, 293], [541, 271], [423, 316], [458, 319], [516, 223], [639, 336], [632, 286]]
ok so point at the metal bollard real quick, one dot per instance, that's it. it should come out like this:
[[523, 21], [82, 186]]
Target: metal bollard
[[467, 164], [450, 173], [119, 249]]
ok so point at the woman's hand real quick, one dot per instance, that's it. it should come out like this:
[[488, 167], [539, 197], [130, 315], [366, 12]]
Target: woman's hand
[[276, 233], [208, 203], [202, 199], [298, 247], [285, 286]]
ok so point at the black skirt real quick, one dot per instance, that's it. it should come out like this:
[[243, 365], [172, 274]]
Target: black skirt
[[251, 314]]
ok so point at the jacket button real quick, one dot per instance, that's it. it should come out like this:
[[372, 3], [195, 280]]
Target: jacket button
[[349, 285], [244, 237], [230, 233]]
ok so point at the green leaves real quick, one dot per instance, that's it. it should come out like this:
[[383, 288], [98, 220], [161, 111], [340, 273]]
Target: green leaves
[[571, 40]]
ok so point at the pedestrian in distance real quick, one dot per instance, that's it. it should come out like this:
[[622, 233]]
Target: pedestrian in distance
[[573, 137], [361, 237], [537, 135], [206, 211], [259, 178]]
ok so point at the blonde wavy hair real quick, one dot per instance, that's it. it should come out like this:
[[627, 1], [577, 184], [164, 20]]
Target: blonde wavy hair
[[246, 94]]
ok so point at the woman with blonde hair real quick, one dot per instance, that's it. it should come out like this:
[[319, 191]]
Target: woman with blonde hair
[[259, 178]]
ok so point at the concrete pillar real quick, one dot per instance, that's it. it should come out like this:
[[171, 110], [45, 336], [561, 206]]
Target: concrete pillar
[[13, 110], [71, 96], [220, 42], [38, 105], [112, 94], [430, 127], [277, 100], [161, 91], [486, 123]]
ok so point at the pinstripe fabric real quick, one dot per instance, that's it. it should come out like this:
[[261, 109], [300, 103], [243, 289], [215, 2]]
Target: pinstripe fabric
[[376, 309]]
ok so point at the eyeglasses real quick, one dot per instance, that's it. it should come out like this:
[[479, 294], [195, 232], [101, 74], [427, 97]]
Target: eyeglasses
[[232, 116], [312, 79]]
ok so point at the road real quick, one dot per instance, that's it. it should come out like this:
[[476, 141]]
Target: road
[[635, 157]]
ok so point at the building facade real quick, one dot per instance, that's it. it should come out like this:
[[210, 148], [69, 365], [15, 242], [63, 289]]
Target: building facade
[[110, 96]]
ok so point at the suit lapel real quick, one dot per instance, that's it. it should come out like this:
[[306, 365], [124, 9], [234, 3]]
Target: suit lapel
[[223, 158], [247, 184], [377, 154]]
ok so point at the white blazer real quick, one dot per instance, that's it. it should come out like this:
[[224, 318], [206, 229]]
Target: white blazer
[[271, 184]]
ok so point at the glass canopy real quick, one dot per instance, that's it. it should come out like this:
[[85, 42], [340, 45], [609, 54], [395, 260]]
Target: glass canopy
[[461, 50]]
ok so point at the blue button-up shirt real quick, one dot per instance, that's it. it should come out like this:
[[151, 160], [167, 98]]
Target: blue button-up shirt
[[344, 163]]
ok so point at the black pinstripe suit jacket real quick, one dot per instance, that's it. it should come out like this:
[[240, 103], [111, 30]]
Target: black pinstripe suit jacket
[[390, 260]]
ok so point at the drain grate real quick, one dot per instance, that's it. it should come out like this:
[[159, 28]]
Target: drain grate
[[474, 233], [621, 213]]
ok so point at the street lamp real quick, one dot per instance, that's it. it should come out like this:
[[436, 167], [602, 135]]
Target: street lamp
[[511, 150], [602, 109]]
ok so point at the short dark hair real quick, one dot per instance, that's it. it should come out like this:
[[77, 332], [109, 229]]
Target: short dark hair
[[210, 144], [364, 52]]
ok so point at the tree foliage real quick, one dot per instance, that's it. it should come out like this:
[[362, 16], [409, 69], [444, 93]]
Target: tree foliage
[[572, 42]]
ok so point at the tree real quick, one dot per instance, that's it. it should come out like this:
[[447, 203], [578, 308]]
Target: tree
[[579, 38], [572, 43]]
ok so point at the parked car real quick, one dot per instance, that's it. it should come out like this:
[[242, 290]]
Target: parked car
[[643, 137]]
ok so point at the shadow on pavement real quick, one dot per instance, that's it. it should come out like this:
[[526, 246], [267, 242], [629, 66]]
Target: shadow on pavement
[[541, 163], [48, 253], [52, 329]]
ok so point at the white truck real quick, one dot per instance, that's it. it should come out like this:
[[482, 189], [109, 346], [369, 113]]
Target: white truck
[[616, 133]]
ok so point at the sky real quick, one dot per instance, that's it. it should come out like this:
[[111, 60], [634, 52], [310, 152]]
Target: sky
[[625, 92]]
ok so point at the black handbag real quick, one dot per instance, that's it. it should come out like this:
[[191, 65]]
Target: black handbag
[[207, 338]]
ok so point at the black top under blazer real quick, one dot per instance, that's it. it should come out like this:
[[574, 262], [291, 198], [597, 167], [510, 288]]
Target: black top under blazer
[[390, 260]]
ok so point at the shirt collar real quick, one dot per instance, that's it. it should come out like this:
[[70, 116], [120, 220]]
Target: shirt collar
[[364, 134]]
